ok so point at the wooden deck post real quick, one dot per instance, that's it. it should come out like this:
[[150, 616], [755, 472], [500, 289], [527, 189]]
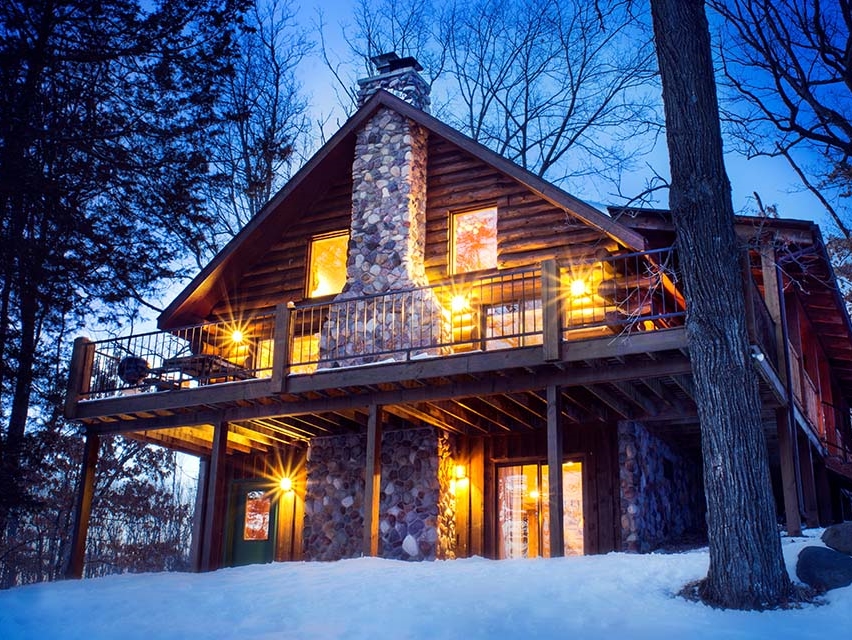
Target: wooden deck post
[[211, 551], [84, 507], [806, 470], [551, 311], [372, 481], [79, 376], [281, 347], [195, 553], [554, 470], [783, 421], [476, 544]]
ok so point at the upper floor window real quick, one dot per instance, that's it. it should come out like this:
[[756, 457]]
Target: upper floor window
[[474, 240], [327, 264]]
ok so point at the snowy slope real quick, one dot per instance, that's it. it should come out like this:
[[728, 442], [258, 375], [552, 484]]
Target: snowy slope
[[617, 596]]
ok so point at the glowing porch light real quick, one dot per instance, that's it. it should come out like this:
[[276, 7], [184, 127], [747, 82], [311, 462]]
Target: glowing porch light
[[534, 494], [578, 288], [461, 472], [286, 484], [237, 336], [459, 303]]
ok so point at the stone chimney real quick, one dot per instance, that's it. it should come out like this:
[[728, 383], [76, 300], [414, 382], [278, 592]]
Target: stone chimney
[[398, 76], [387, 233]]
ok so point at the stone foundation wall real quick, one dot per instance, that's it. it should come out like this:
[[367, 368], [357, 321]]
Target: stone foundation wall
[[661, 491], [416, 507]]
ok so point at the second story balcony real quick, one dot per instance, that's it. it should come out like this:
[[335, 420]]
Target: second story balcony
[[535, 310]]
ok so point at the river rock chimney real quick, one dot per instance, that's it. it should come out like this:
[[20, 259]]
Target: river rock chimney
[[388, 228]]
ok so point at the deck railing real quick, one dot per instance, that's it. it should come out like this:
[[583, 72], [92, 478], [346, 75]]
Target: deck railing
[[512, 309], [181, 359]]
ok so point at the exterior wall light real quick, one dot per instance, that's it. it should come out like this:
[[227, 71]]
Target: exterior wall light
[[460, 472], [237, 336], [286, 485]]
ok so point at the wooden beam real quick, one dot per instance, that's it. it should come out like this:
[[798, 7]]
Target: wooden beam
[[476, 469], [788, 472], [806, 473], [198, 515], [213, 516], [84, 508], [372, 481], [551, 311], [554, 470], [519, 382]]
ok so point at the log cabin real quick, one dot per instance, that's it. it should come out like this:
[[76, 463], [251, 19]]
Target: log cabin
[[418, 350]]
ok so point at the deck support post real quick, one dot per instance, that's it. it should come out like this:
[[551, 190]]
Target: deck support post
[[372, 481], [211, 551], [83, 511], [788, 473], [554, 470], [198, 515], [783, 415], [806, 471]]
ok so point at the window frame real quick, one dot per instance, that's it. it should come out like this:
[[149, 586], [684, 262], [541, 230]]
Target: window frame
[[310, 259], [452, 267]]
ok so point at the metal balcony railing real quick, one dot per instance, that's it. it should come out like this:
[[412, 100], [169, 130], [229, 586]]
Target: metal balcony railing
[[181, 359], [512, 309]]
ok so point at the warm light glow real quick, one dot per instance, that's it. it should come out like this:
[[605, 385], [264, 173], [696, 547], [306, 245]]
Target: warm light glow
[[327, 268], [578, 288], [534, 494], [461, 472], [459, 303], [237, 336], [286, 484]]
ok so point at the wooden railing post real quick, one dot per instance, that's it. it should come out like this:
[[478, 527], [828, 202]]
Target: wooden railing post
[[551, 310], [79, 375], [281, 346]]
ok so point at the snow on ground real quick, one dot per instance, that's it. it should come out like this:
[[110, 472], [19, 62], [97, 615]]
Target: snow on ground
[[594, 597]]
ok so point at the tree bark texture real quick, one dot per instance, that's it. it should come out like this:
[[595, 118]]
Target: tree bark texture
[[746, 565]]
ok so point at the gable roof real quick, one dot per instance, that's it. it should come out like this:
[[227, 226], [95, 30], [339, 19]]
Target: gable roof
[[194, 303]]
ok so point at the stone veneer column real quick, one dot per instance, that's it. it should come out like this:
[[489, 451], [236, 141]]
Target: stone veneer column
[[661, 491], [416, 512], [386, 250]]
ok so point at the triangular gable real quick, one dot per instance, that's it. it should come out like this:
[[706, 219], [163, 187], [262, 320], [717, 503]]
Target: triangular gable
[[213, 282]]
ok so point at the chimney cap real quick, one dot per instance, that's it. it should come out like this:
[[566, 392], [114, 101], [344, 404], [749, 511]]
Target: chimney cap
[[390, 62]]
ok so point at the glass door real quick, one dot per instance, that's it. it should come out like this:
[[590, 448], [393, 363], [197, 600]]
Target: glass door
[[523, 513]]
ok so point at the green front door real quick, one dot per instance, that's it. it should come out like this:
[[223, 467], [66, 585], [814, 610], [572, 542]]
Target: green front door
[[253, 519]]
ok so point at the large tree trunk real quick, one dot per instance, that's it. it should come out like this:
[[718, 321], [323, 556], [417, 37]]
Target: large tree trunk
[[746, 565]]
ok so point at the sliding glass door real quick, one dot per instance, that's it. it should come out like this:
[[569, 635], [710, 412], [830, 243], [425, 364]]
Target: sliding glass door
[[523, 513]]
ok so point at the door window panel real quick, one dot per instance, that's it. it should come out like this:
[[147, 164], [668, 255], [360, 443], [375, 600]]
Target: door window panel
[[523, 513], [256, 524]]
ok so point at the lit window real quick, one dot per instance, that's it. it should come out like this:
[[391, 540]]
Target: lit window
[[474, 240], [327, 264]]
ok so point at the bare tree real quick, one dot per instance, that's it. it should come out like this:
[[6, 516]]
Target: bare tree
[[746, 564], [266, 120], [556, 86], [790, 62], [381, 26]]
